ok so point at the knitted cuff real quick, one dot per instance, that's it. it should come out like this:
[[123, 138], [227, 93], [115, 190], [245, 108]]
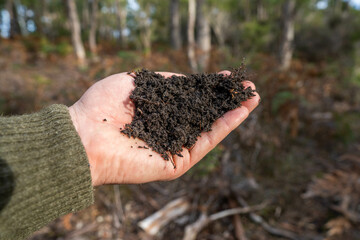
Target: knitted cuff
[[45, 168]]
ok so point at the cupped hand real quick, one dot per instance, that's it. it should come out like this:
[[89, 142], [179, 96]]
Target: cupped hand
[[116, 158]]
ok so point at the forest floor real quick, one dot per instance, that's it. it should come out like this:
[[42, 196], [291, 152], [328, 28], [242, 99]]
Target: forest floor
[[299, 151]]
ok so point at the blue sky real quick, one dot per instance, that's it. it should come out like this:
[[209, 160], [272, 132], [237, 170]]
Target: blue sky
[[323, 4]]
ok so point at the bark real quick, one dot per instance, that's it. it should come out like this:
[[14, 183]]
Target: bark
[[121, 18], [175, 27], [93, 26], [75, 31], [203, 36], [190, 35], [286, 47]]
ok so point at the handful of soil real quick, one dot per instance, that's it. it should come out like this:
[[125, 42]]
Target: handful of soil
[[171, 113]]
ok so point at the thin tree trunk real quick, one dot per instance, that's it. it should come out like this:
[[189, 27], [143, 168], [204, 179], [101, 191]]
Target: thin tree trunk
[[261, 11], [85, 15], [190, 35], [145, 28], [93, 26], [39, 13], [14, 24], [203, 36], [286, 48], [121, 17], [76, 31], [247, 10], [175, 28], [21, 19]]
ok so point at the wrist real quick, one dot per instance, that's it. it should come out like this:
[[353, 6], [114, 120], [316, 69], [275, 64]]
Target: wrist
[[77, 122]]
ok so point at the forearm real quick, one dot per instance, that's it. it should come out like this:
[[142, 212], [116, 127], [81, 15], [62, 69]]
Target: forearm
[[44, 168]]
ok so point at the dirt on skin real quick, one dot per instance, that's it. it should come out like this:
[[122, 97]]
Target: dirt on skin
[[171, 113]]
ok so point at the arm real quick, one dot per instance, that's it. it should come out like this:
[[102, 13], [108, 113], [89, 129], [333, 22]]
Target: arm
[[44, 171]]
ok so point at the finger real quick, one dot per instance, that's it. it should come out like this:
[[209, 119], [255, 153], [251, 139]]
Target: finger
[[252, 102], [225, 72], [169, 74], [220, 129]]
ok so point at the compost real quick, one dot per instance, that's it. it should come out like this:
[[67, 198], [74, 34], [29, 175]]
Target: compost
[[171, 113]]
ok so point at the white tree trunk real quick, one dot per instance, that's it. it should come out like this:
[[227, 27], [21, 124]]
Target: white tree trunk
[[191, 35], [175, 28], [203, 36], [261, 11], [93, 26], [286, 48], [76, 31]]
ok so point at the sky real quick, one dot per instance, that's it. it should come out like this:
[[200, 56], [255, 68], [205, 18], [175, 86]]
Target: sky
[[324, 3]]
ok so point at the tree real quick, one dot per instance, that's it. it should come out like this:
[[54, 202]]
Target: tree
[[261, 11], [75, 31], [144, 24], [14, 24], [93, 26], [121, 18], [286, 47], [175, 28], [203, 35], [190, 35]]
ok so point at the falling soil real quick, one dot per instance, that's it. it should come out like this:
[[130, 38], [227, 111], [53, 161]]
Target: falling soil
[[171, 113]]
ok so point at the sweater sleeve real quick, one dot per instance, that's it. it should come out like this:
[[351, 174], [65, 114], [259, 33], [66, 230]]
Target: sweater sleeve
[[44, 171]]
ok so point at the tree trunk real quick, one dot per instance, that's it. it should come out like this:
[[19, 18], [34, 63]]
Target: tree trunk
[[175, 28], [286, 47], [261, 11], [76, 31], [20, 18], [14, 24], [247, 10], [190, 35], [93, 24], [85, 15], [219, 23], [145, 28], [203, 36], [121, 17]]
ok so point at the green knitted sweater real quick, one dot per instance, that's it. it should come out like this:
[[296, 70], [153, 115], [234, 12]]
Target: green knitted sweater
[[44, 171]]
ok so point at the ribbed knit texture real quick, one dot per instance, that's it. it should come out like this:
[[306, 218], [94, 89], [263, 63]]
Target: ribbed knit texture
[[44, 171]]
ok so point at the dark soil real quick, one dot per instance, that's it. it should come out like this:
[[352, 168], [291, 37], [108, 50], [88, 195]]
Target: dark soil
[[171, 113]]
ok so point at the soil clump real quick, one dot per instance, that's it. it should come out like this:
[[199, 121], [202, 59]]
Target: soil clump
[[170, 113]]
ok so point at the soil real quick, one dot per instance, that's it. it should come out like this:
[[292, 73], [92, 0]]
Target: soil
[[171, 113]]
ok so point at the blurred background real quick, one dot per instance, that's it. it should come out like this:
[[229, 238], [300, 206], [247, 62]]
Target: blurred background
[[296, 159]]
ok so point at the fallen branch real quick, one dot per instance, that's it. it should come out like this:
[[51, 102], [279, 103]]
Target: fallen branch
[[192, 230], [239, 228], [152, 224], [272, 230]]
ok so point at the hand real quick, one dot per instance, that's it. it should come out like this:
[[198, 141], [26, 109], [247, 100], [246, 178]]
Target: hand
[[115, 158]]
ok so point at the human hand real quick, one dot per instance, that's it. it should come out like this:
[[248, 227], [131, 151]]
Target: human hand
[[115, 158]]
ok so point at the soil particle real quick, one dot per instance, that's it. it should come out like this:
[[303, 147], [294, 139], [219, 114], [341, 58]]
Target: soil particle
[[170, 113]]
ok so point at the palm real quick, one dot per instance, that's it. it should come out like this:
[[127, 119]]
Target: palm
[[106, 107]]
